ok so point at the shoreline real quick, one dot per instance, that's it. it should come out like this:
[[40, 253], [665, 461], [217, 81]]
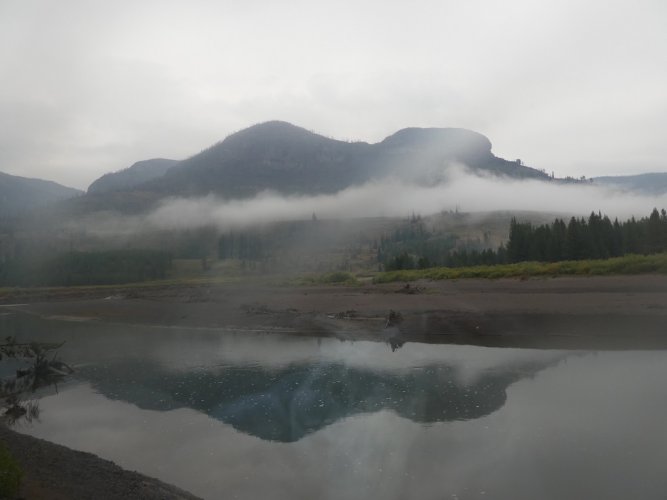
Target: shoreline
[[55, 472], [610, 312]]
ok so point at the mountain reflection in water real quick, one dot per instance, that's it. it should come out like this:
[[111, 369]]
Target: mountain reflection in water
[[280, 387], [288, 403], [243, 415]]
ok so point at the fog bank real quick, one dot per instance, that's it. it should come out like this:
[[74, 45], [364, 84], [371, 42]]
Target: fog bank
[[463, 191]]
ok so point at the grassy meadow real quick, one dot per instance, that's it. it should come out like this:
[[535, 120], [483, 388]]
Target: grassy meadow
[[629, 264]]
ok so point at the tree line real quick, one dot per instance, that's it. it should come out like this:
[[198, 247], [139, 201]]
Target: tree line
[[413, 246], [243, 246], [595, 237], [86, 268]]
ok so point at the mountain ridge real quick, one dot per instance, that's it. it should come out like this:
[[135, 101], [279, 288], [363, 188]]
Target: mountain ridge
[[133, 176], [292, 160], [652, 183], [19, 194]]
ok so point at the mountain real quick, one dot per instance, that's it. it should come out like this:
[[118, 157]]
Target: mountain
[[426, 153], [274, 155], [131, 177], [291, 160], [651, 184], [287, 159], [21, 194]]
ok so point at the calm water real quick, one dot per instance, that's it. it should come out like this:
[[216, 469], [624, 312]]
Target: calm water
[[242, 415]]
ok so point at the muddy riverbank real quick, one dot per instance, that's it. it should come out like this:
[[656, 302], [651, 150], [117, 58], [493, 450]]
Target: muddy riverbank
[[588, 312]]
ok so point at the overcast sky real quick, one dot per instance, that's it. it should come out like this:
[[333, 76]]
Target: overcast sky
[[87, 87]]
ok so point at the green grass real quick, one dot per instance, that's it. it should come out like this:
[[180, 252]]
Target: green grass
[[334, 278], [10, 474], [629, 264]]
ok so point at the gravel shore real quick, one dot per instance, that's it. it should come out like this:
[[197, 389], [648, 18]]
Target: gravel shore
[[55, 472]]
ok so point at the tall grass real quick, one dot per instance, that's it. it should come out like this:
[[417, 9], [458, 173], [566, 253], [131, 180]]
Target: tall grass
[[629, 264]]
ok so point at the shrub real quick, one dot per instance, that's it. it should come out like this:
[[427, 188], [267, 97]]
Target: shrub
[[10, 474], [338, 277]]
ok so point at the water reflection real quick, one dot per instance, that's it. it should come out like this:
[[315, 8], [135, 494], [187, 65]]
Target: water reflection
[[282, 388], [288, 403], [25, 368], [425, 422]]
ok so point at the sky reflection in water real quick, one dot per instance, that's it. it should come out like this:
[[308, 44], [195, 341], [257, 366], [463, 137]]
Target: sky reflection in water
[[262, 416]]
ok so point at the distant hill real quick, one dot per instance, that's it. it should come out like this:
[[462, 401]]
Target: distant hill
[[273, 155], [652, 184], [291, 160], [131, 177], [282, 157], [21, 194]]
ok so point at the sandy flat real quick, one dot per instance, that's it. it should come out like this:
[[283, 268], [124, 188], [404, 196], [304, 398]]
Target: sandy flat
[[580, 312]]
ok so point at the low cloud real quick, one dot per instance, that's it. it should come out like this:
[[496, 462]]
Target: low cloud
[[460, 191], [463, 191]]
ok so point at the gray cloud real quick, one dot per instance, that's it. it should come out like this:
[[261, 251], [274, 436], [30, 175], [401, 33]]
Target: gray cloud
[[91, 87]]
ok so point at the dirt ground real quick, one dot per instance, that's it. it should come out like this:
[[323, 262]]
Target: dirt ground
[[566, 312]]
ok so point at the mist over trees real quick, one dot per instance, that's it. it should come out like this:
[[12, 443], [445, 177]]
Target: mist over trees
[[300, 245], [450, 239], [86, 268], [412, 245], [595, 237]]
